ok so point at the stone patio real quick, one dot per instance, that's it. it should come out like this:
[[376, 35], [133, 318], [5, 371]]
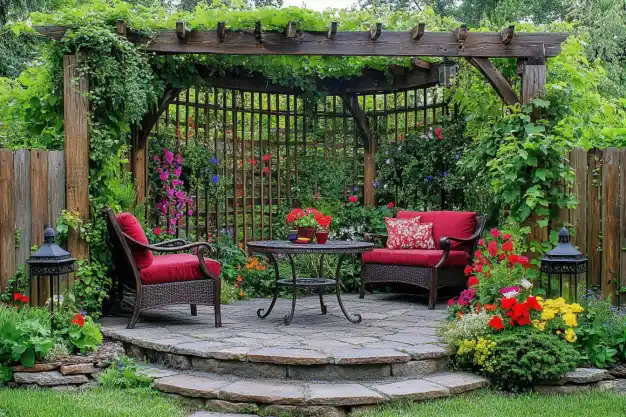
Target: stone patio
[[395, 330]]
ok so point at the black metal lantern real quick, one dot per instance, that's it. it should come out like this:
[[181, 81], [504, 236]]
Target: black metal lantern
[[564, 259], [51, 261], [447, 70]]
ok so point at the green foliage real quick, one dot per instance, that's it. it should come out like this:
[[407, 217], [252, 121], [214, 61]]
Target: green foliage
[[525, 356], [123, 374], [24, 335], [80, 338]]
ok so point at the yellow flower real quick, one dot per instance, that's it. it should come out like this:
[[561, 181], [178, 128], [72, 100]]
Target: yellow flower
[[570, 335], [570, 319], [541, 325], [558, 332], [576, 308], [547, 314]]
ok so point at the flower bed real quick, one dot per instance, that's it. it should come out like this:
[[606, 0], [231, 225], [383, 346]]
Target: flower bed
[[501, 327]]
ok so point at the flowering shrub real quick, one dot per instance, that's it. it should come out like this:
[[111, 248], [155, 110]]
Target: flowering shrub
[[499, 328], [171, 198]]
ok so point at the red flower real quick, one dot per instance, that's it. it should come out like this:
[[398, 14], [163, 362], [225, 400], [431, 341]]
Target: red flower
[[316, 196], [507, 236], [157, 231], [507, 246], [478, 254], [401, 137], [492, 248], [496, 323], [517, 259], [523, 260], [20, 298], [501, 257], [478, 268], [451, 302], [468, 270], [508, 303], [79, 319], [17, 296], [481, 242], [532, 303], [266, 170], [267, 157], [390, 205], [495, 233], [323, 220], [521, 315], [472, 281], [253, 161], [438, 133], [353, 199]]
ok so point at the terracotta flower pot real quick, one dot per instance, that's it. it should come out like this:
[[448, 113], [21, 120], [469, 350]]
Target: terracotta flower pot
[[321, 236], [307, 232]]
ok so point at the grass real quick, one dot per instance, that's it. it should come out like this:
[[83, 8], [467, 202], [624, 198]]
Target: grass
[[89, 403], [493, 404]]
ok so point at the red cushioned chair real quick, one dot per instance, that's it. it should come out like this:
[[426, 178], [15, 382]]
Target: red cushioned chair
[[455, 234], [177, 278]]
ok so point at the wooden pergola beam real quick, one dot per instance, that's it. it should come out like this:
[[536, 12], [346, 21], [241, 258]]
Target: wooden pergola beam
[[371, 81], [496, 79], [439, 44]]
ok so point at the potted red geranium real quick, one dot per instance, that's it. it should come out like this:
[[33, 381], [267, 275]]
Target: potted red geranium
[[324, 223], [304, 220]]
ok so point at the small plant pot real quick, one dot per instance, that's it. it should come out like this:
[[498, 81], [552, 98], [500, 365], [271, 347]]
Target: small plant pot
[[306, 232], [292, 236], [321, 236]]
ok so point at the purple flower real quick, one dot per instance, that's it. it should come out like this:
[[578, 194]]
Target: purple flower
[[215, 178], [180, 195], [213, 161], [175, 182], [457, 157], [375, 184], [355, 189], [164, 175], [189, 212], [466, 296], [179, 159], [444, 173], [173, 221], [177, 172], [169, 156]]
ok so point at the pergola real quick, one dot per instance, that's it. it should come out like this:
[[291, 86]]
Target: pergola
[[530, 49]]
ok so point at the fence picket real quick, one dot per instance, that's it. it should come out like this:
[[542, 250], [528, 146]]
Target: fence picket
[[38, 214], [610, 220], [7, 218], [594, 178]]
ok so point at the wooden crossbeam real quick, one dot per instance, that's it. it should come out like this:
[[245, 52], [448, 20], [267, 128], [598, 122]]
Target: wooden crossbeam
[[496, 79], [439, 44]]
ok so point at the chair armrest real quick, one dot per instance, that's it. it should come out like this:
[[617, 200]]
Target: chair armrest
[[171, 243], [445, 244], [157, 248]]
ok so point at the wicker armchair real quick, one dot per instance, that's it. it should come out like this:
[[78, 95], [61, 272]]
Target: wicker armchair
[[428, 269], [177, 278]]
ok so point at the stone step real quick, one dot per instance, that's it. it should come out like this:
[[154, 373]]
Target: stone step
[[236, 394], [341, 364]]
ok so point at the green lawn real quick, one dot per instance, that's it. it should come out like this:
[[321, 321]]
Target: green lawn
[[491, 404], [88, 403]]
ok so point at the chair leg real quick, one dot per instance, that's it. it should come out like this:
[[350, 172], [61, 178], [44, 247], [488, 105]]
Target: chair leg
[[218, 315], [362, 289], [194, 310], [135, 317], [432, 295]]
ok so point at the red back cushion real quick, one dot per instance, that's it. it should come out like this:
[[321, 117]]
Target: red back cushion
[[447, 223], [131, 226], [409, 234]]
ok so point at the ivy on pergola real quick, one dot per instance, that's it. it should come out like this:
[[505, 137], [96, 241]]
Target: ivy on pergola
[[530, 49]]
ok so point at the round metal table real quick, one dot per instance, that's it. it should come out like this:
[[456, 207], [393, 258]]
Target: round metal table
[[332, 247]]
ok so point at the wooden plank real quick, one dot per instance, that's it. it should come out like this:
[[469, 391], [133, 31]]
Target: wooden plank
[[578, 216], [594, 182], [622, 219], [610, 220], [38, 215], [56, 204], [533, 82], [495, 78], [7, 218], [21, 166], [439, 44], [76, 115]]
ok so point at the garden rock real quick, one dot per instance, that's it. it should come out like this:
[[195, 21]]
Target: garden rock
[[51, 378], [38, 367], [79, 368]]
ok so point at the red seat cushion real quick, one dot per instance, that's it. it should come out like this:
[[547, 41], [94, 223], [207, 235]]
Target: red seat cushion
[[415, 257], [175, 268], [131, 226], [447, 224]]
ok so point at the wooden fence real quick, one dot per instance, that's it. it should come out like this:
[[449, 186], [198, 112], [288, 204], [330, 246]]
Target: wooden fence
[[600, 217], [32, 194]]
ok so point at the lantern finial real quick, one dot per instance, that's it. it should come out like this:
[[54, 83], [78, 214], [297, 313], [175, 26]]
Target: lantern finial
[[564, 235], [49, 234]]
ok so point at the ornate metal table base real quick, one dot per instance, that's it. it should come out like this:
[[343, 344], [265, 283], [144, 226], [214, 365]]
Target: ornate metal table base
[[270, 248]]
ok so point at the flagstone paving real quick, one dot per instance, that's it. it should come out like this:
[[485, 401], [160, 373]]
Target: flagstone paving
[[395, 329]]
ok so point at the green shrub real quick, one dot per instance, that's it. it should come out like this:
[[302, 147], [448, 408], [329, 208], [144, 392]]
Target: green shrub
[[123, 374], [80, 332], [525, 356]]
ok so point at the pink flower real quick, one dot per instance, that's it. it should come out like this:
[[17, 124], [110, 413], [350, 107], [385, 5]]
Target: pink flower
[[177, 172], [316, 196], [353, 199], [495, 233], [438, 133], [169, 156], [163, 176], [155, 158], [179, 159], [175, 182], [157, 231], [189, 212], [390, 205]]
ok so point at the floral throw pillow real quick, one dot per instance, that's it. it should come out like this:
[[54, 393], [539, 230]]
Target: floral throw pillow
[[409, 234]]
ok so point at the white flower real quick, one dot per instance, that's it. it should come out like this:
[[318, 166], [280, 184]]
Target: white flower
[[510, 294], [526, 284], [388, 161]]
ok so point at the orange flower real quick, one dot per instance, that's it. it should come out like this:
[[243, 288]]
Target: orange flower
[[239, 278], [240, 293], [490, 307]]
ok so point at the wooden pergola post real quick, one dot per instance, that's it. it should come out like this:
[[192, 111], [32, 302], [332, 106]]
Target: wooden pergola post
[[76, 116], [533, 74], [138, 168]]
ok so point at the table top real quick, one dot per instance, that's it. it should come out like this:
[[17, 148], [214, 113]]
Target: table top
[[330, 247]]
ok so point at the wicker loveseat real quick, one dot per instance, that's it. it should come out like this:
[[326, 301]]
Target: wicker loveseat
[[455, 235], [176, 278]]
